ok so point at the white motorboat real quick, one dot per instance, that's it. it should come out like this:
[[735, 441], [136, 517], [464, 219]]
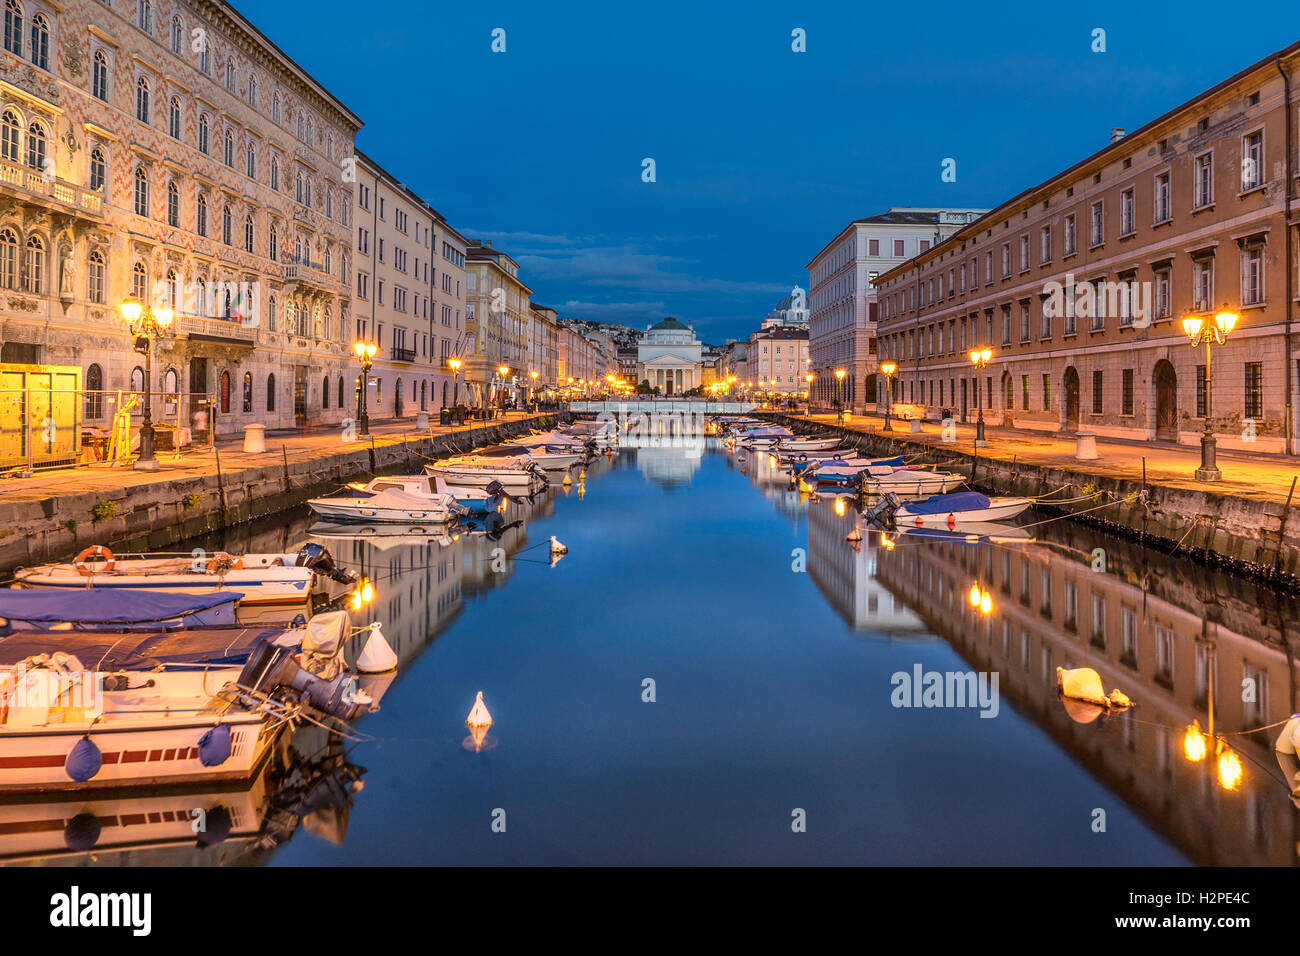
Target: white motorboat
[[260, 578], [517, 474], [393, 503], [953, 510], [474, 500], [162, 706], [879, 479], [806, 444]]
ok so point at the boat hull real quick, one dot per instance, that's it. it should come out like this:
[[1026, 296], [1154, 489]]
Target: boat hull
[[997, 510]]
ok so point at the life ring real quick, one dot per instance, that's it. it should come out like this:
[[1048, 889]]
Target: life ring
[[94, 551], [803, 457], [222, 562]]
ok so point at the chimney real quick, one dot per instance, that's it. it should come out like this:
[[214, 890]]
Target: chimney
[[488, 242], [1116, 134]]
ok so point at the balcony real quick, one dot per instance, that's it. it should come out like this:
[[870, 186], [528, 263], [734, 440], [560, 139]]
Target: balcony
[[226, 331], [32, 183], [402, 354], [312, 274]]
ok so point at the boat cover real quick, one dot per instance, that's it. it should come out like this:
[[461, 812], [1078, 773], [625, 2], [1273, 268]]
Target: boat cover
[[105, 605], [139, 650], [942, 504]]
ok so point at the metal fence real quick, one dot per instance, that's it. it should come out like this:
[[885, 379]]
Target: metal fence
[[663, 406], [53, 427]]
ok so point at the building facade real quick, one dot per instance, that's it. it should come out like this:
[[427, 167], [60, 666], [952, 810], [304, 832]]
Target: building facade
[[175, 156], [496, 322], [1079, 285], [409, 294], [778, 360], [842, 297], [670, 357]]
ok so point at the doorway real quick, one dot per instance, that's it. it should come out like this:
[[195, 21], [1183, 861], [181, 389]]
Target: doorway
[[1166, 388], [1071, 423], [300, 395]]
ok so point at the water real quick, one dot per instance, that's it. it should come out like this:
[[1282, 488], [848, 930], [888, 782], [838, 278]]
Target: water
[[772, 643]]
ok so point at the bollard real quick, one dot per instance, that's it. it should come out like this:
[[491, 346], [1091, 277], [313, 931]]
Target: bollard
[[1085, 446], [254, 439]]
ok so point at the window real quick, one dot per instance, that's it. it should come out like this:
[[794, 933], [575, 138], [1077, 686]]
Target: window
[[1162, 198], [271, 323], [173, 290], [1097, 227], [178, 36], [173, 205], [34, 270], [204, 130], [1255, 390], [144, 15], [1070, 235], [250, 161], [275, 171], [10, 137], [226, 225], [274, 250], [1024, 392], [13, 27], [139, 281], [873, 247], [1160, 305], [252, 90], [94, 402], [99, 76], [40, 51], [248, 233], [228, 153], [1203, 283], [1096, 391], [201, 216], [1126, 213], [248, 391], [1044, 245], [1024, 253], [1047, 392], [225, 393], [141, 192], [95, 277], [275, 107], [1045, 332], [36, 147], [230, 73], [270, 392], [8, 259], [1252, 276], [1006, 259], [1204, 180], [898, 249], [1200, 391], [205, 61], [142, 99], [1126, 392], [174, 118], [1252, 161]]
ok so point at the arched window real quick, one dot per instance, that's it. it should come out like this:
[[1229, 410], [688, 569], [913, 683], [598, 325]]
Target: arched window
[[99, 76], [297, 249], [248, 391], [225, 393], [275, 107], [137, 379], [424, 396], [271, 321], [178, 36], [275, 171], [173, 205], [142, 99], [297, 185], [329, 202], [274, 250], [230, 73], [205, 60], [171, 390], [144, 15], [98, 169], [95, 277], [306, 189], [270, 392], [36, 146], [141, 192], [201, 216], [252, 90], [94, 405], [325, 393], [139, 281], [34, 266], [250, 161], [227, 310], [173, 290], [302, 124], [8, 259], [326, 321], [226, 226], [204, 130], [248, 233], [341, 386], [41, 41], [201, 295], [229, 154], [13, 27], [10, 136], [174, 117]]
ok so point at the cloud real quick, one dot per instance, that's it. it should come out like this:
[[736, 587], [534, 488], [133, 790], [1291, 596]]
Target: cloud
[[612, 311]]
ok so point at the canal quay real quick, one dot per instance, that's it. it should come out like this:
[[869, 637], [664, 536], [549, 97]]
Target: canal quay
[[687, 655]]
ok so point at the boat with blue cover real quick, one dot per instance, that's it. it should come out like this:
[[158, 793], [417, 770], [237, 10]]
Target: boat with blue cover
[[958, 508], [82, 610]]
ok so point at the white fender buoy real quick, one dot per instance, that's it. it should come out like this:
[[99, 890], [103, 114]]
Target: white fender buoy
[[478, 715], [557, 547], [1084, 683], [855, 534], [1286, 739], [377, 656]]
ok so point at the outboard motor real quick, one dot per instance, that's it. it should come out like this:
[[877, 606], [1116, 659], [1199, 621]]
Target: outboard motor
[[318, 558], [271, 668], [882, 512]]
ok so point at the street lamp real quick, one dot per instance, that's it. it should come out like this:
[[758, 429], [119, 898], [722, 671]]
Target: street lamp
[[888, 368], [839, 389], [1213, 333], [980, 359], [454, 365], [533, 376], [366, 356], [146, 325]]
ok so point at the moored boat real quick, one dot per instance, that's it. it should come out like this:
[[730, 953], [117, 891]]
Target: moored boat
[[956, 509]]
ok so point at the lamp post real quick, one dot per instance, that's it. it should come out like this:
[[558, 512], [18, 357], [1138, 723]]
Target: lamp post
[[888, 369], [839, 389], [146, 324], [533, 376], [366, 356], [1210, 333], [454, 364], [980, 359]]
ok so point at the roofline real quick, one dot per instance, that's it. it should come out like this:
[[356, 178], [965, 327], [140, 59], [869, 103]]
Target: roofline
[[866, 221], [1118, 145], [311, 81]]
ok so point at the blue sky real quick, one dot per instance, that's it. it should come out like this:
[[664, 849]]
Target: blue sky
[[762, 154]]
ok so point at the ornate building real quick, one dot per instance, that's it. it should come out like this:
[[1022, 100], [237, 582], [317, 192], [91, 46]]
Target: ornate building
[[670, 357], [176, 155]]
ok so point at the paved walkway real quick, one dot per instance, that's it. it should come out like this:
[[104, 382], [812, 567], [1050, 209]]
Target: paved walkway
[[1259, 476], [293, 446]]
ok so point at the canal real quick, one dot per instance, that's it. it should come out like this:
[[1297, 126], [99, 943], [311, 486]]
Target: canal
[[710, 676]]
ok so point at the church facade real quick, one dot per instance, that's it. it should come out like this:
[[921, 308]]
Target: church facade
[[669, 358]]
